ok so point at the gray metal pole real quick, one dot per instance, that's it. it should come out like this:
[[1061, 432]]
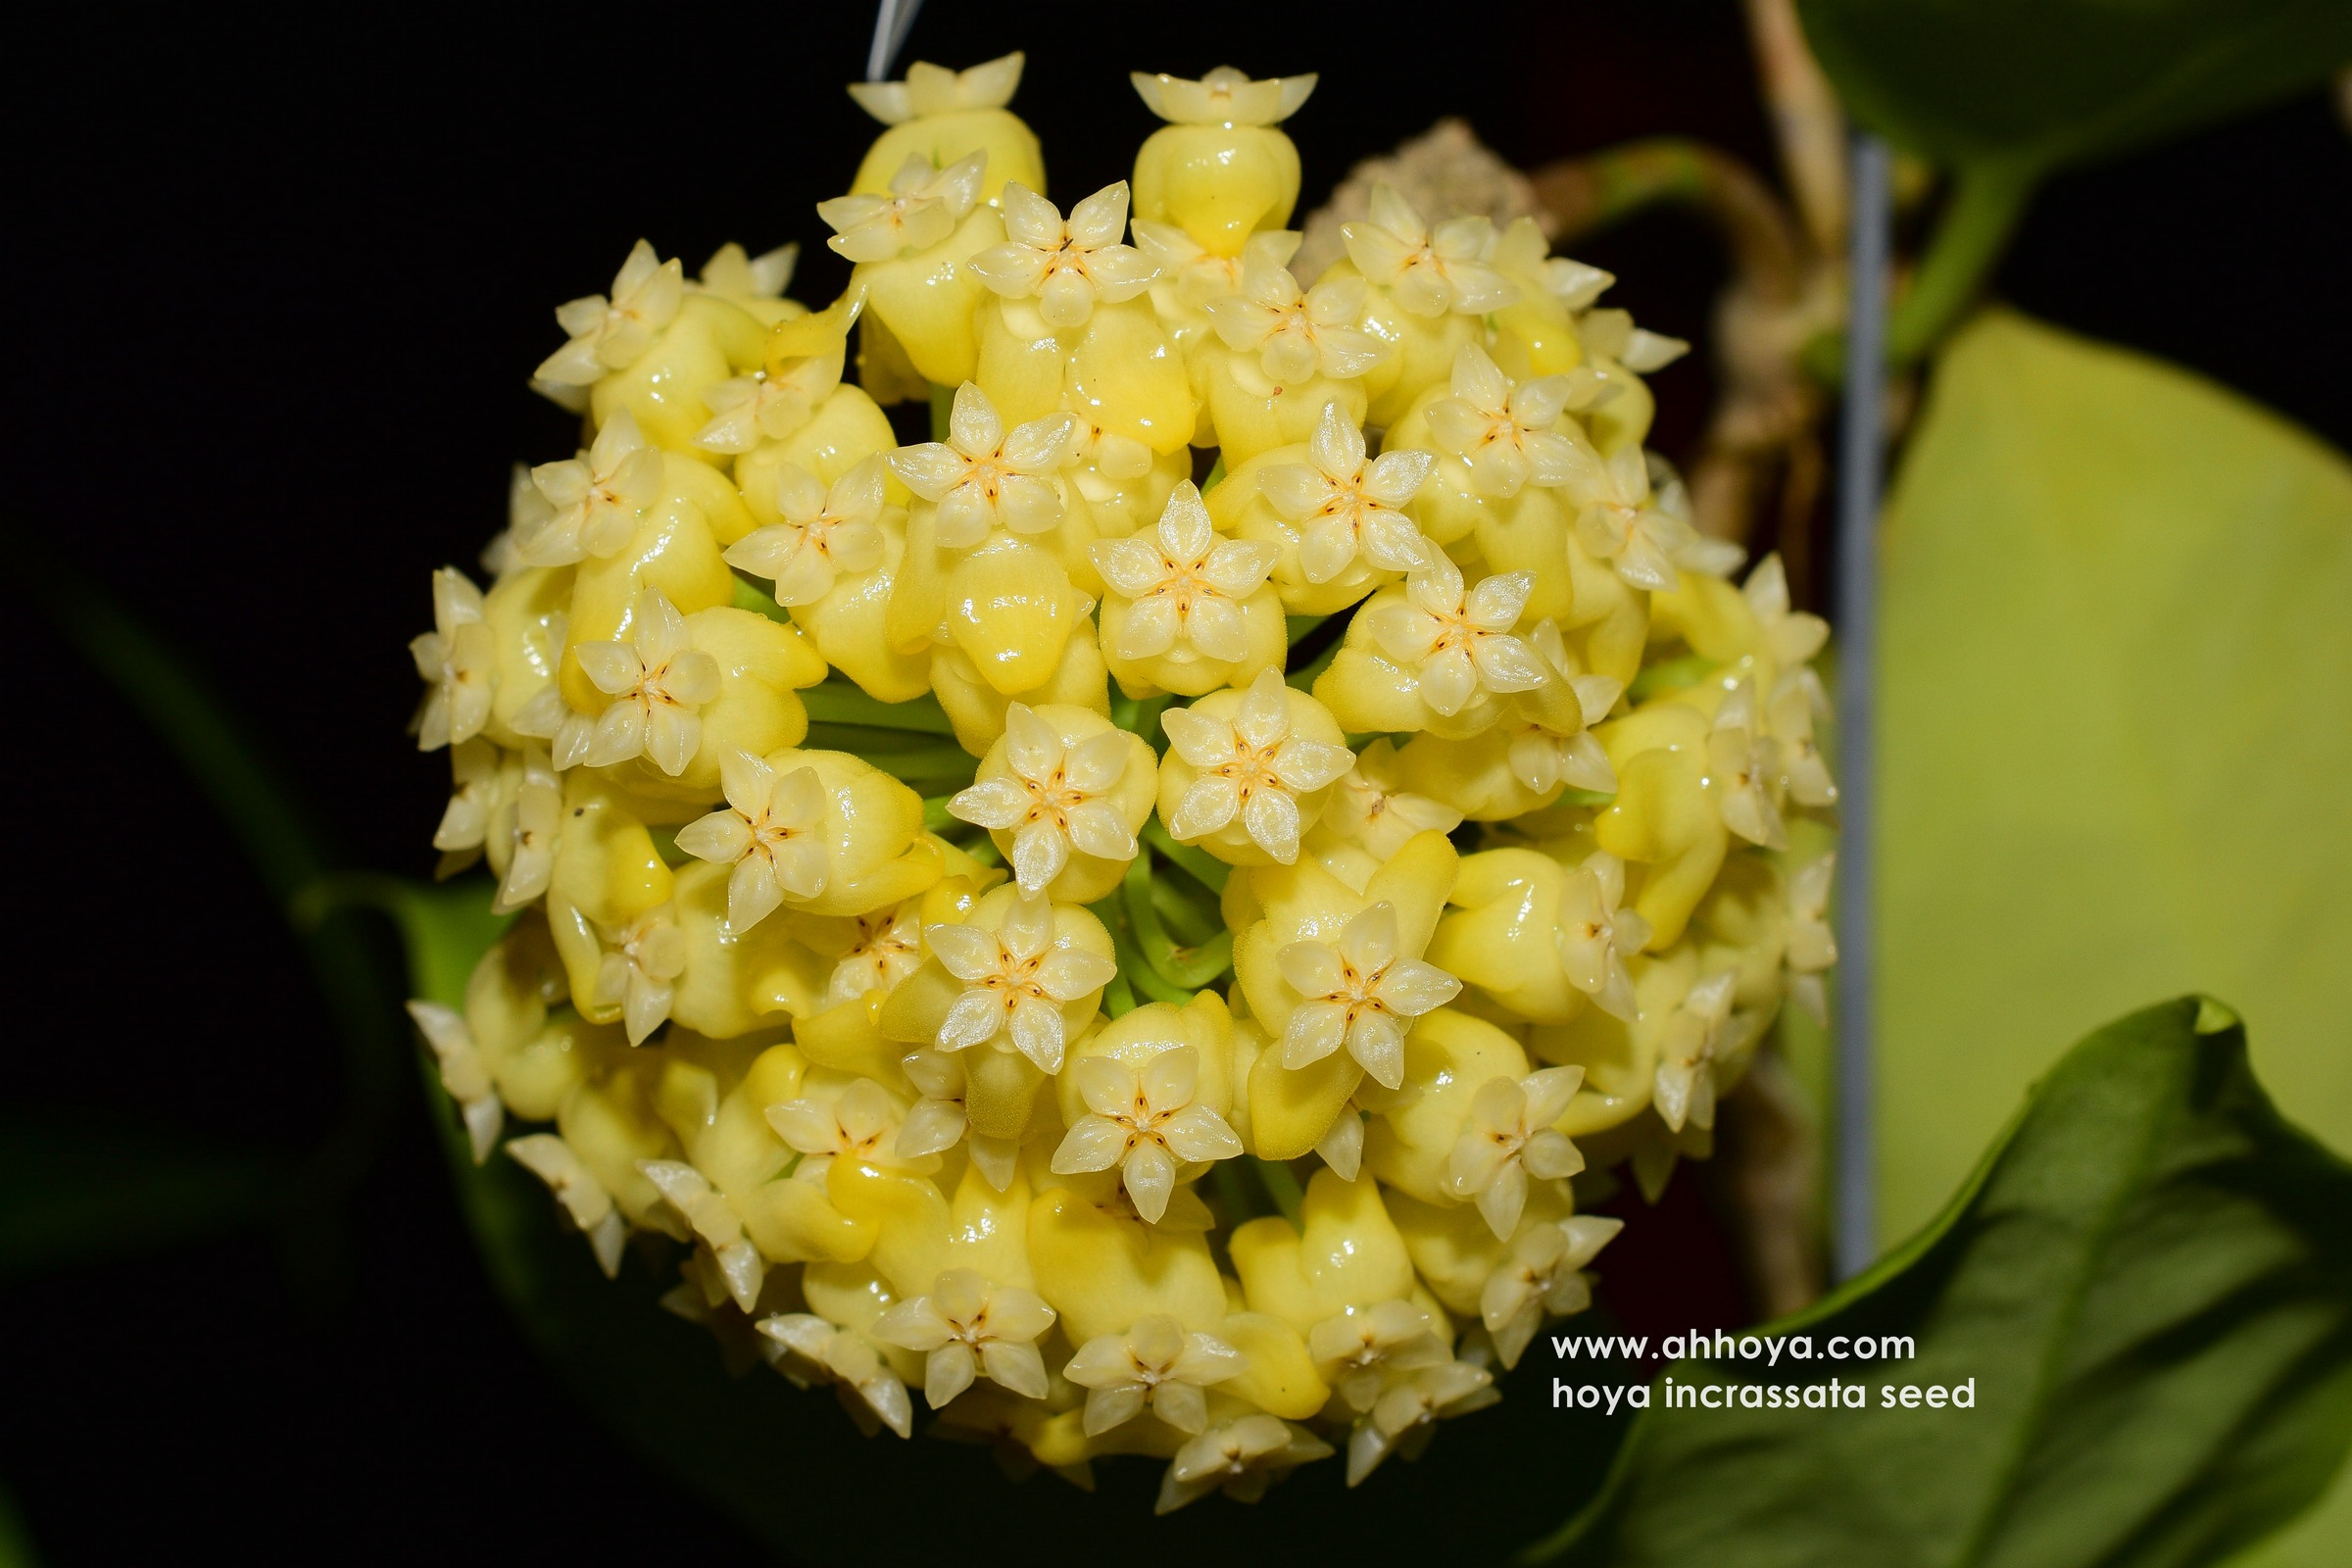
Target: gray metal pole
[[1859, 479]]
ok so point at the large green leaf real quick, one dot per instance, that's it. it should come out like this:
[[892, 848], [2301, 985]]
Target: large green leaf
[[2116, 736], [2034, 84], [2147, 1288]]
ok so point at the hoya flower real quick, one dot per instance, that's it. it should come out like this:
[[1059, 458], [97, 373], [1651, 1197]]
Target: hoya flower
[[612, 334], [1541, 1277], [639, 972], [1800, 768], [532, 836], [595, 498], [1296, 335], [887, 948], [1223, 96], [457, 662], [766, 404], [923, 207], [1155, 1366], [1361, 1351], [1743, 768], [931, 89], [1347, 509], [981, 478], [1549, 751], [1240, 1457], [474, 777], [1249, 770], [939, 1120], [1624, 524], [1431, 272], [1458, 642], [464, 1073], [714, 1223], [1791, 637], [657, 683], [1062, 792], [1143, 1121], [583, 1198], [1595, 935], [1373, 811], [1359, 990], [772, 833], [1694, 1036], [1191, 275], [1405, 1416], [967, 1328], [1507, 433], [1812, 947], [824, 532], [1509, 1140], [1065, 266], [860, 1121], [834, 1355], [732, 273], [1017, 981], [1181, 589]]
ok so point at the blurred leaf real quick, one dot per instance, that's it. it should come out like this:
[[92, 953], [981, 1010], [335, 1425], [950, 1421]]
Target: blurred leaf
[[2115, 736], [74, 1191], [2148, 1286], [2036, 85]]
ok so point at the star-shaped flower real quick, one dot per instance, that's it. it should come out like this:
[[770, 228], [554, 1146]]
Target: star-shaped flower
[[1403, 1416], [1016, 980], [1458, 642], [772, 833], [824, 532], [1184, 584], [1430, 272], [1624, 524], [938, 1122], [1154, 1365], [595, 498], [1542, 1278], [1595, 935], [1359, 992], [1744, 768], [476, 782], [1241, 1457], [712, 1218], [734, 272], [968, 1327], [612, 334], [1373, 809], [1509, 1138], [1361, 1351], [1296, 335], [1688, 1048], [457, 663], [1251, 766], [1552, 744], [923, 207], [583, 1198], [640, 968], [931, 89], [1343, 507], [1065, 266], [859, 1121], [537, 827], [463, 1072], [1803, 772], [888, 948], [1223, 96], [1055, 799], [766, 404], [1791, 637], [1812, 945], [982, 478], [658, 682], [1508, 433], [835, 1355], [1145, 1122]]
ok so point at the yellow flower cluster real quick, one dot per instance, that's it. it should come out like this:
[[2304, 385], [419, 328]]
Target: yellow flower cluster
[[1147, 1072]]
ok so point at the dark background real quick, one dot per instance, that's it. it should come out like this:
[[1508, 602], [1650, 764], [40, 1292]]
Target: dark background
[[273, 298]]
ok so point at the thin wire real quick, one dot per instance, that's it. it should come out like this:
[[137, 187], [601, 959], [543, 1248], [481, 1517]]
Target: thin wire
[[894, 20], [1859, 478]]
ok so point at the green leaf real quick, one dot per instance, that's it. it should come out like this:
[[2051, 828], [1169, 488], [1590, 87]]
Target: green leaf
[[2147, 1289], [2114, 738], [2036, 85]]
